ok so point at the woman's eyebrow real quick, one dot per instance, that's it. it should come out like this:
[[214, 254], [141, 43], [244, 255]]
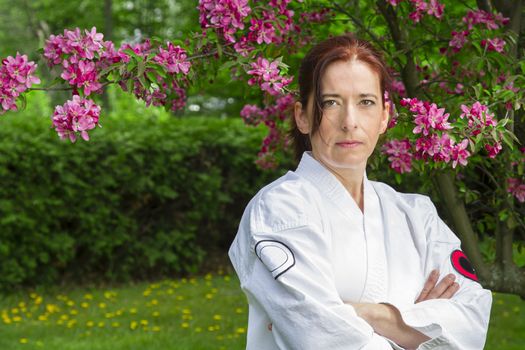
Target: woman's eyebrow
[[331, 95], [365, 95]]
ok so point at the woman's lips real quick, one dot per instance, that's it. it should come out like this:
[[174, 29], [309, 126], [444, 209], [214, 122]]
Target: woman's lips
[[348, 144]]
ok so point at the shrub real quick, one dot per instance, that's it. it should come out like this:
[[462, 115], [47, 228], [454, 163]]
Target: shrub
[[145, 197]]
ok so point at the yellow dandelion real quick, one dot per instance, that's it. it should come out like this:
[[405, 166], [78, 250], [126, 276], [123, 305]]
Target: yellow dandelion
[[219, 337], [156, 329], [147, 292], [42, 317], [185, 325], [88, 297], [154, 302], [60, 322], [38, 300], [119, 312], [198, 329], [14, 311], [133, 325], [33, 295], [211, 328], [115, 324], [220, 272], [193, 281], [6, 320], [240, 330], [144, 322], [170, 291], [109, 315], [187, 317], [227, 278], [155, 314], [17, 318], [209, 296], [22, 305], [214, 290], [101, 324], [217, 317], [90, 324], [71, 323], [70, 303], [74, 312], [516, 309], [102, 305], [133, 310], [180, 297], [208, 277], [184, 280], [239, 310], [64, 317], [24, 340], [52, 308], [84, 305]]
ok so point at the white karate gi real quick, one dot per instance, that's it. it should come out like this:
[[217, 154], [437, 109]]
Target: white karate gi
[[304, 248]]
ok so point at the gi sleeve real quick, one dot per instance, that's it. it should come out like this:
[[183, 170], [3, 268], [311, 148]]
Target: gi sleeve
[[290, 277], [462, 321]]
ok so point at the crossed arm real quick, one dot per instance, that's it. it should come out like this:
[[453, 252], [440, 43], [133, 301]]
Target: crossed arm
[[386, 319]]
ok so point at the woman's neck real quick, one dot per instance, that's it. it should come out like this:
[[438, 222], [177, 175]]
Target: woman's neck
[[352, 180]]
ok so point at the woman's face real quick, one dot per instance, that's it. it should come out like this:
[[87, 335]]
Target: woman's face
[[353, 116]]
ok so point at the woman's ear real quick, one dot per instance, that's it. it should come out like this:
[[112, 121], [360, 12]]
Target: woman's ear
[[385, 117], [301, 118]]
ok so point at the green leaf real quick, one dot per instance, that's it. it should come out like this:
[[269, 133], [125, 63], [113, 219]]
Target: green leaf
[[141, 68]]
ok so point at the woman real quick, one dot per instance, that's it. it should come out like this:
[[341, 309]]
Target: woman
[[331, 260]]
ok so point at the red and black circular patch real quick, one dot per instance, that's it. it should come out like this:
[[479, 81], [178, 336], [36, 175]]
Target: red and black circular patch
[[462, 265]]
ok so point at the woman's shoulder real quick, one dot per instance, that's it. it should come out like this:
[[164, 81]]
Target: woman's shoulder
[[286, 202], [407, 200]]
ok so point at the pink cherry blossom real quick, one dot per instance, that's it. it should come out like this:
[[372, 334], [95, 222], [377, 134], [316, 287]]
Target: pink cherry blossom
[[399, 155], [174, 59], [227, 16], [76, 116], [251, 114], [16, 76], [267, 75], [394, 2], [495, 44], [493, 150], [459, 39], [517, 188], [490, 20], [459, 153], [478, 116]]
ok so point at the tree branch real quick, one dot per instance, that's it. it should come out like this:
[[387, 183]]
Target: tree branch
[[408, 71]]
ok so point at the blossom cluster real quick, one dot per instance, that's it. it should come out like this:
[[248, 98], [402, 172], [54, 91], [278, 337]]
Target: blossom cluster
[[75, 117], [16, 76], [399, 154], [271, 116], [421, 7], [516, 187], [474, 18], [86, 60], [226, 16], [434, 141], [267, 75]]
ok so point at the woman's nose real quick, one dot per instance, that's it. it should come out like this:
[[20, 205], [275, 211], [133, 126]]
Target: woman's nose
[[348, 120]]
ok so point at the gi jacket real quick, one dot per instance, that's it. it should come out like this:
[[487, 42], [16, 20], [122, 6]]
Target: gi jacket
[[304, 248]]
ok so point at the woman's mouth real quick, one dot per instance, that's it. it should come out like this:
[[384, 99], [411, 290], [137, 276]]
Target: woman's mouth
[[348, 144]]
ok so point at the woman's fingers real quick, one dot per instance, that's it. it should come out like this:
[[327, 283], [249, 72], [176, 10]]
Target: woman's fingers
[[442, 286], [451, 290], [429, 286]]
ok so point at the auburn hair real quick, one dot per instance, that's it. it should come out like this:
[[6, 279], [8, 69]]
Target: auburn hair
[[313, 66]]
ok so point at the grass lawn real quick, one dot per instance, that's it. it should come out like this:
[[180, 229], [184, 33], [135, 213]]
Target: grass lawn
[[197, 313]]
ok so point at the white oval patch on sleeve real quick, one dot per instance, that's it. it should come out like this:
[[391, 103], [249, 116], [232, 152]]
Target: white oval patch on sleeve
[[276, 256]]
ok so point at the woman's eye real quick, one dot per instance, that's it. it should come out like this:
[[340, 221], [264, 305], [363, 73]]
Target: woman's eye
[[328, 103], [367, 102]]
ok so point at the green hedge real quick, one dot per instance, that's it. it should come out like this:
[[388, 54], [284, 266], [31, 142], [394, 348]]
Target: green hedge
[[144, 198]]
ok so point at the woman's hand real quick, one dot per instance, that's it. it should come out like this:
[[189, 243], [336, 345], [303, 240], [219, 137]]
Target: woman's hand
[[445, 289]]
